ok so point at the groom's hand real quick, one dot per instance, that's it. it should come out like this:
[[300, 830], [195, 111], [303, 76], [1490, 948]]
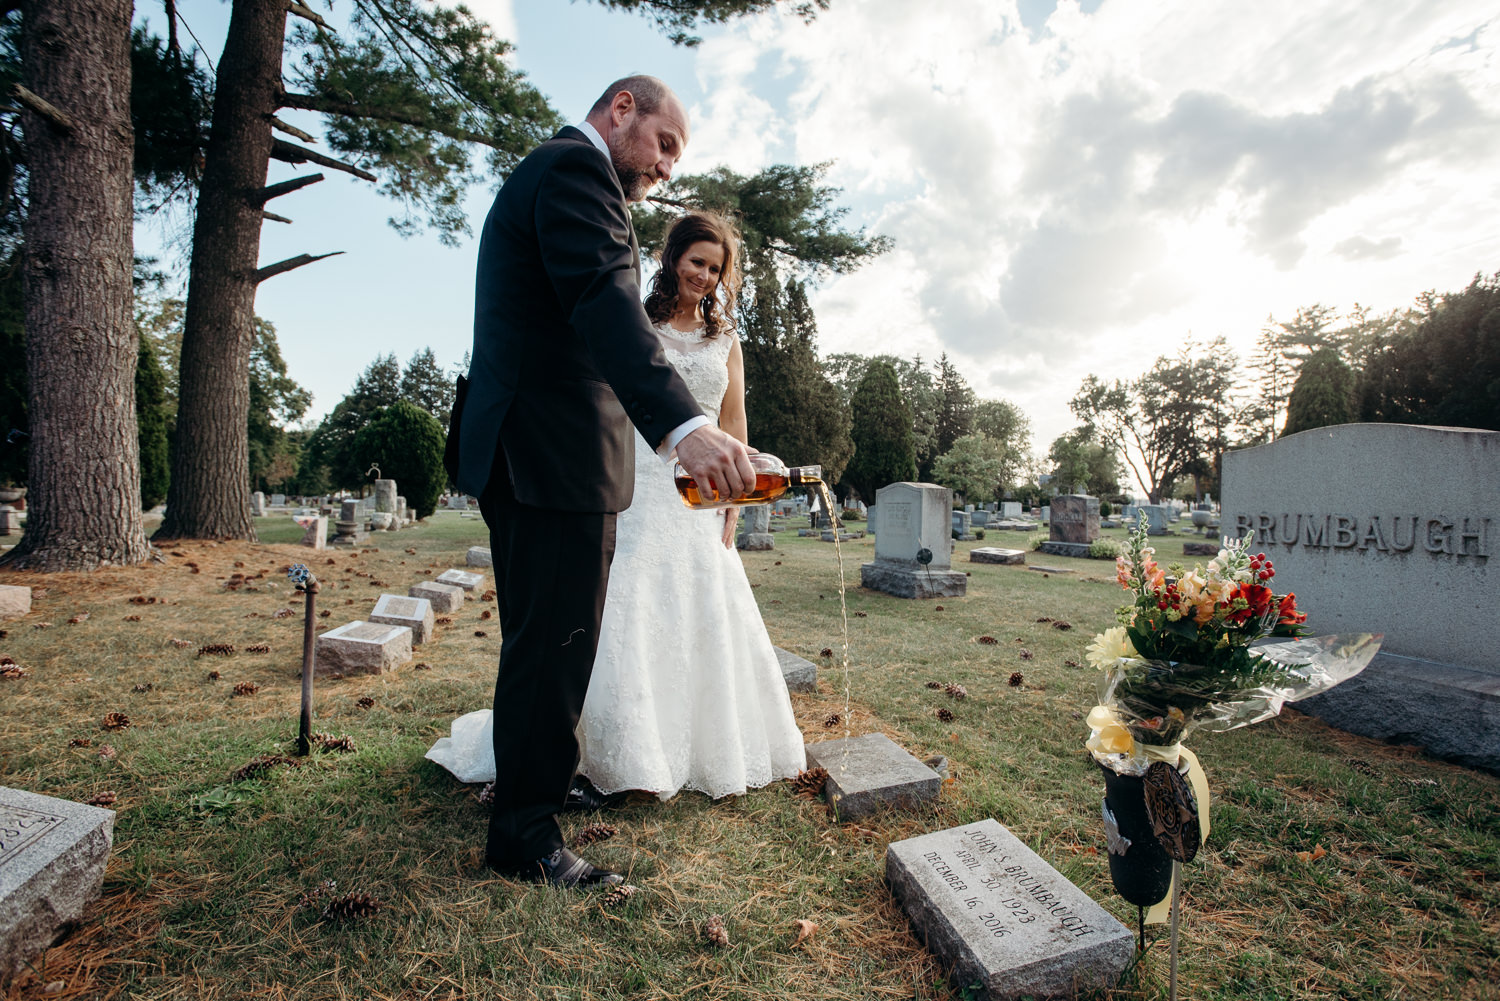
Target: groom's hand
[[717, 460]]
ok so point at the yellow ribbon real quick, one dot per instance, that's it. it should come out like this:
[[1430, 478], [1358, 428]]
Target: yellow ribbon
[[1160, 912]]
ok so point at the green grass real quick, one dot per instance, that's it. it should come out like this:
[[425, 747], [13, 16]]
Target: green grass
[[201, 897]]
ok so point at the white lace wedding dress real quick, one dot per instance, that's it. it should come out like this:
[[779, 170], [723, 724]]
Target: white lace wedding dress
[[686, 692]]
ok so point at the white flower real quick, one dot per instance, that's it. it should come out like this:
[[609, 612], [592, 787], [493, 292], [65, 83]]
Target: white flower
[[1109, 646]]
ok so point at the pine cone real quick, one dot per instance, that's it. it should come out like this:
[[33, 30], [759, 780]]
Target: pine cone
[[283, 613], [132, 618], [115, 721], [487, 596], [107, 752], [145, 686], [442, 620], [258, 648], [810, 783], [1045, 618], [1064, 626], [934, 684], [714, 931], [1026, 655], [832, 720], [343, 743], [422, 666], [364, 702], [486, 614], [180, 644], [617, 895], [956, 691], [1070, 663], [106, 798], [1017, 679], [349, 907], [988, 640], [487, 794], [216, 649], [213, 675], [827, 651], [80, 617], [80, 742], [246, 688], [13, 671], [594, 833], [480, 633], [256, 767], [945, 714]]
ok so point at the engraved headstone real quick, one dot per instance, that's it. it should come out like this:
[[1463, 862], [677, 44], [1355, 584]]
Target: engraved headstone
[[1389, 528], [755, 528], [1074, 525], [385, 496], [258, 504], [992, 554], [870, 772], [52, 858], [361, 647], [1010, 509], [460, 578], [458, 502], [963, 526], [479, 556], [444, 598], [1000, 917], [800, 674], [1158, 518], [278, 500], [15, 601], [414, 613], [913, 548], [980, 518]]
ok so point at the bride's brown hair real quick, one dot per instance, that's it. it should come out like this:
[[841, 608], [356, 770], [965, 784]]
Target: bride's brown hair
[[697, 227]]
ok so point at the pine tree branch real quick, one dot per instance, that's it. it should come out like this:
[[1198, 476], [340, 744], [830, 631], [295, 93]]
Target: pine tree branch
[[292, 130], [287, 153], [290, 264], [349, 109], [283, 188], [273, 217], [48, 111], [306, 13]]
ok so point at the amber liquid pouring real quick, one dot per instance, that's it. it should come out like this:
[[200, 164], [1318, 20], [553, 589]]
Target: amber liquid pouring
[[768, 487]]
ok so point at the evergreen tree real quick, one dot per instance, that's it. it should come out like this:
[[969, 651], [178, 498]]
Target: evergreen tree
[[13, 372], [955, 414], [276, 400], [406, 442], [333, 445], [151, 424], [424, 383], [881, 432], [1323, 395], [971, 468]]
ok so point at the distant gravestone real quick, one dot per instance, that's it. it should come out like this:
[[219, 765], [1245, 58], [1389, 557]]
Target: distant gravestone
[[992, 554], [278, 500], [385, 496], [403, 513], [963, 526], [444, 598], [914, 548], [15, 601], [1000, 917], [1389, 528], [348, 526], [479, 556], [316, 534], [1046, 516], [361, 647], [258, 504], [460, 578], [458, 502], [980, 518], [755, 529], [1010, 509], [414, 613], [1158, 518], [1200, 549], [799, 673], [871, 772], [1074, 525], [53, 853]]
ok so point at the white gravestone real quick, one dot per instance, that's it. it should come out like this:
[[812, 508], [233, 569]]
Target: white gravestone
[[385, 496], [258, 504], [914, 523], [479, 556], [414, 613], [755, 528], [1389, 528], [444, 598], [316, 535], [1001, 917], [460, 578], [15, 601], [361, 647], [52, 858], [799, 673]]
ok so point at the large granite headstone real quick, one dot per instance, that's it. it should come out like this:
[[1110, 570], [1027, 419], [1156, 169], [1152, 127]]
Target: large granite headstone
[[52, 858], [914, 523], [755, 529], [1074, 525], [1002, 918], [799, 673], [414, 613], [1158, 518], [870, 772], [1010, 509], [444, 598], [361, 647], [1389, 528]]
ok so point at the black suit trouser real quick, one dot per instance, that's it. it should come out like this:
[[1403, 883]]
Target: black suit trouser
[[551, 570]]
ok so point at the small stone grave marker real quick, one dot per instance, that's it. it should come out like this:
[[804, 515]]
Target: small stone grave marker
[[316, 535], [460, 578], [14, 601], [479, 556], [1003, 918], [445, 598], [801, 675], [52, 858], [870, 772], [1037, 566], [1200, 549], [415, 613], [361, 647], [993, 554]]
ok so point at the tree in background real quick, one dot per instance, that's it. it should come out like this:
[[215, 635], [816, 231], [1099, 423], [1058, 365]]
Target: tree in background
[[1003, 423], [13, 372], [680, 17], [276, 400], [332, 446], [881, 432], [955, 411], [970, 468], [406, 442], [1323, 395], [1081, 462], [84, 476], [425, 383], [152, 420]]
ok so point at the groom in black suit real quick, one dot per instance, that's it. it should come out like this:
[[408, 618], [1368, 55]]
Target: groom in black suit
[[564, 362]]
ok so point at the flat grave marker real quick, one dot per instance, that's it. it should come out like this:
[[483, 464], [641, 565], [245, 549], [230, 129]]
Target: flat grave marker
[[361, 647], [445, 598], [994, 554], [460, 578], [414, 613], [800, 674], [869, 772]]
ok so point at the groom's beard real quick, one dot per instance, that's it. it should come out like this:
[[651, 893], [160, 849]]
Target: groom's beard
[[636, 181]]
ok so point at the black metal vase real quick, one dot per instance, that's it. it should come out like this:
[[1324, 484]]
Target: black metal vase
[[1142, 875]]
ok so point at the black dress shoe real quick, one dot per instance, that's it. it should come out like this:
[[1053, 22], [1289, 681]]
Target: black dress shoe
[[583, 796], [566, 869]]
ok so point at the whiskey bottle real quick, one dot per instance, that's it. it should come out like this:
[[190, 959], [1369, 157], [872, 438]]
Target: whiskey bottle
[[772, 478]]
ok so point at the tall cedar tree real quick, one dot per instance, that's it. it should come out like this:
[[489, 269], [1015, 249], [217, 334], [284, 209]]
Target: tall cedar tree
[[151, 420], [955, 413], [881, 431], [1324, 394], [84, 476]]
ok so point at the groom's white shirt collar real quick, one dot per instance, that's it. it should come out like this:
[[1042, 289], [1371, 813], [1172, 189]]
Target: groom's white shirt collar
[[594, 137]]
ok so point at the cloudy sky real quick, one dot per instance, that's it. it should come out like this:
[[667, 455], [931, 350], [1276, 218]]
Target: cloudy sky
[[1071, 187]]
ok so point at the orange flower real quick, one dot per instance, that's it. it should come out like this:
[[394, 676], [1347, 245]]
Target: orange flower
[[1289, 615]]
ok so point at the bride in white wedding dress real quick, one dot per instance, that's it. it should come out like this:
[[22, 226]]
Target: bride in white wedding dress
[[686, 691]]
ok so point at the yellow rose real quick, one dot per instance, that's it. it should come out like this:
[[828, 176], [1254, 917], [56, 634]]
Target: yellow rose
[[1108, 647], [1110, 735]]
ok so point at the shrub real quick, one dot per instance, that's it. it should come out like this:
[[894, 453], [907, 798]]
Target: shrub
[[851, 514], [1104, 549], [1035, 542], [978, 533], [1105, 510], [406, 442]]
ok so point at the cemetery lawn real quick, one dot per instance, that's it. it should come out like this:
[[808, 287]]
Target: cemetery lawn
[[1338, 867]]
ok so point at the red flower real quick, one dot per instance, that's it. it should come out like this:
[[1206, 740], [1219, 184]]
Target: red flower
[[1258, 602], [1289, 616]]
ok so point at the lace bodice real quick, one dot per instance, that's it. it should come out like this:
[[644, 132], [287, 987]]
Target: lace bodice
[[703, 363]]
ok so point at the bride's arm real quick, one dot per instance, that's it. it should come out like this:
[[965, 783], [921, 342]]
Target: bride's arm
[[732, 421]]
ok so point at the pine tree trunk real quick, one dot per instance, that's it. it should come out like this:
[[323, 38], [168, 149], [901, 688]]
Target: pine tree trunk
[[84, 476], [209, 496]]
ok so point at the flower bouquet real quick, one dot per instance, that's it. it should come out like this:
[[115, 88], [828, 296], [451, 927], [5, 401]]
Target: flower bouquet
[[1194, 649]]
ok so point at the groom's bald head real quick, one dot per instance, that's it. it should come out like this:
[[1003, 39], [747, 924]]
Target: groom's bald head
[[645, 127]]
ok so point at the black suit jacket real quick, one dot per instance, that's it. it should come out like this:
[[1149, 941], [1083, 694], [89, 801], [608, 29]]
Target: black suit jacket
[[564, 356]]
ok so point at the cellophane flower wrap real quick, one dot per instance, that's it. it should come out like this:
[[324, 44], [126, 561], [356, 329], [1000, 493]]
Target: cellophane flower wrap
[[1197, 649]]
